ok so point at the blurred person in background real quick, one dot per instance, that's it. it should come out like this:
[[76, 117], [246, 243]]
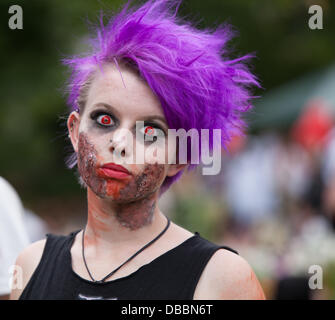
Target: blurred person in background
[[328, 178], [19, 227], [13, 233], [249, 182]]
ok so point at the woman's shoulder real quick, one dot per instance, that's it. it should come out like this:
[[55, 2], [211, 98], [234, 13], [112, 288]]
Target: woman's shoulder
[[30, 257], [26, 263], [228, 276]]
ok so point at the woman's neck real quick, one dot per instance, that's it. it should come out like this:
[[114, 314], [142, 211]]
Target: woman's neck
[[111, 224]]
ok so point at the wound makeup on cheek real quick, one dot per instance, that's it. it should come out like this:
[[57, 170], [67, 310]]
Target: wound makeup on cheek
[[87, 163], [145, 182]]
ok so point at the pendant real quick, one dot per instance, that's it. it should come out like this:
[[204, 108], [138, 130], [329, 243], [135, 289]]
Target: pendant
[[99, 281]]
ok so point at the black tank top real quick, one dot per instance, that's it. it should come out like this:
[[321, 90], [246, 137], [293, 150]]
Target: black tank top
[[171, 276]]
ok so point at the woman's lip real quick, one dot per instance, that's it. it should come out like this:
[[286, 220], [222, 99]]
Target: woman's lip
[[110, 173], [115, 167]]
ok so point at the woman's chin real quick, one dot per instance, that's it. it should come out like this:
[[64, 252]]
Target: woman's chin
[[117, 199]]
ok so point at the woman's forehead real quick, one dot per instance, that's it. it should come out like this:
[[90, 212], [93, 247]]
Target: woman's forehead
[[126, 91]]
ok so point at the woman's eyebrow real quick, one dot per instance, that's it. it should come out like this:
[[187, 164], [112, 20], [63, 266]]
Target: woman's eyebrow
[[107, 106], [153, 117]]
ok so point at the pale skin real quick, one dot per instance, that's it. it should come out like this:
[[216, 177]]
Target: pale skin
[[124, 215]]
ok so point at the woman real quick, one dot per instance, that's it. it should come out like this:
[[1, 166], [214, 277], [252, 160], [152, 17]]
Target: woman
[[147, 66]]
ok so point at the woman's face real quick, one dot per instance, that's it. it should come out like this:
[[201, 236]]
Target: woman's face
[[105, 132]]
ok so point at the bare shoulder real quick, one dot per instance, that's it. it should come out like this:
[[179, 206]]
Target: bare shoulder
[[228, 276], [26, 263]]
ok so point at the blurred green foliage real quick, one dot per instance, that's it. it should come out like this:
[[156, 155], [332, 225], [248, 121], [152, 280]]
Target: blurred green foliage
[[199, 212], [329, 279], [32, 132]]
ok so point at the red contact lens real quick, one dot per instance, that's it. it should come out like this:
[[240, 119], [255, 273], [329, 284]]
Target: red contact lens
[[105, 120], [149, 131]]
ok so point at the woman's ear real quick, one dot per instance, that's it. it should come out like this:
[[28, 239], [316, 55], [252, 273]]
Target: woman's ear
[[73, 122], [175, 168]]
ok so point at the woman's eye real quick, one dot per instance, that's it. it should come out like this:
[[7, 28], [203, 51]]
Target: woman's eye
[[151, 133], [105, 120]]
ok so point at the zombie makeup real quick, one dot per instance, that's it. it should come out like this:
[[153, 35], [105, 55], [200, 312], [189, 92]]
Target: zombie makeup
[[133, 197], [87, 163], [134, 187]]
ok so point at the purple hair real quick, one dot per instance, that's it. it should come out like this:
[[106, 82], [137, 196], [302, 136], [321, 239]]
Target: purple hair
[[187, 68]]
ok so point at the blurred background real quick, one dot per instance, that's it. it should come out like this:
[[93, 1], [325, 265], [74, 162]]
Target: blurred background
[[274, 200]]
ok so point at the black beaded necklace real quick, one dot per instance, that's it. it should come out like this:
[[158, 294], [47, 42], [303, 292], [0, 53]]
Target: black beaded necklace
[[133, 256]]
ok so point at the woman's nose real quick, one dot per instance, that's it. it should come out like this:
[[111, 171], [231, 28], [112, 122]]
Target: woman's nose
[[119, 150], [120, 143]]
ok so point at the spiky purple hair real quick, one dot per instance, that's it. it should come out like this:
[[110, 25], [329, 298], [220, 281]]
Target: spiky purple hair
[[187, 68]]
